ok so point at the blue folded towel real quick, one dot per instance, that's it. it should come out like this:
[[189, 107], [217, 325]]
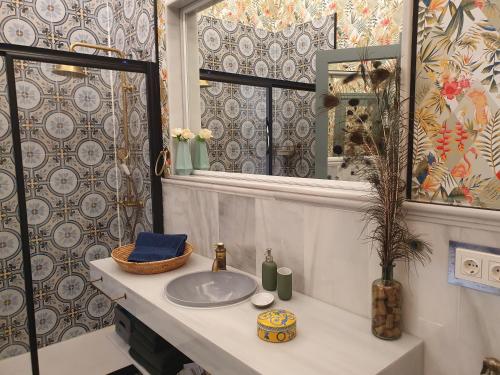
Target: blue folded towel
[[151, 247]]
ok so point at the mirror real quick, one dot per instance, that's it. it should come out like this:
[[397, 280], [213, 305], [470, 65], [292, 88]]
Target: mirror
[[265, 73], [350, 107]]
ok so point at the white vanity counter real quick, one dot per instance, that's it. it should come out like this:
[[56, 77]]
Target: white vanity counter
[[224, 340]]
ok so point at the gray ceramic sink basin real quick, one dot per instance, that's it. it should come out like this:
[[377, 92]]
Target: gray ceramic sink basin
[[210, 289]]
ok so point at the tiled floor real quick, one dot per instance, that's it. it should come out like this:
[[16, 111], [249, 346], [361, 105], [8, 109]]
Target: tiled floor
[[96, 353]]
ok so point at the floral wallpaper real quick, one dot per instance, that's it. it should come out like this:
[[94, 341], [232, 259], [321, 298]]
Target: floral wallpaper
[[361, 22], [456, 158]]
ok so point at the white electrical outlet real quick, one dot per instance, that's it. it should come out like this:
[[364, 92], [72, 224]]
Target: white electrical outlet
[[477, 266], [469, 265], [494, 272]]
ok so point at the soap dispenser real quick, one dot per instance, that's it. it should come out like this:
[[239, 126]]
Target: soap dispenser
[[269, 272]]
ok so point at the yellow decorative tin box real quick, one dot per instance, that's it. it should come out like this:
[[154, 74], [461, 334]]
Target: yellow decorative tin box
[[277, 326]]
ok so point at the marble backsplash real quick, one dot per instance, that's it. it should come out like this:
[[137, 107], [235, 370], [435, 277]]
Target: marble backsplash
[[324, 247]]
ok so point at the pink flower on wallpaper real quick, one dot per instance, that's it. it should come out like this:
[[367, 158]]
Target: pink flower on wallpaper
[[451, 89], [479, 4], [464, 83], [385, 22]]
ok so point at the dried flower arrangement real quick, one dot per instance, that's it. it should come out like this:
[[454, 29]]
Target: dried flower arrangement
[[383, 164]]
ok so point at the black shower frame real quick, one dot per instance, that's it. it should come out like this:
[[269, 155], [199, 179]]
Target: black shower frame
[[151, 70], [268, 84]]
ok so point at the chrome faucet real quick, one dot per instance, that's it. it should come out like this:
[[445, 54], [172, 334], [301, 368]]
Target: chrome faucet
[[220, 258]]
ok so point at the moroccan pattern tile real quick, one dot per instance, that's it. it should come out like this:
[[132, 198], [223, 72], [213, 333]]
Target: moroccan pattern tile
[[124, 24], [14, 337], [235, 48], [132, 28], [53, 24], [236, 114], [71, 197], [70, 130], [293, 132], [289, 54], [138, 220], [456, 156]]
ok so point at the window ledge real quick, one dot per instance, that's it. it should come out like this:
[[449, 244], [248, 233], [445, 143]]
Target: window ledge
[[348, 195]]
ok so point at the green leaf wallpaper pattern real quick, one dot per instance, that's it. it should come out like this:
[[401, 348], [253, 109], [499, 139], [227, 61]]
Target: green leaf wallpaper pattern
[[457, 116]]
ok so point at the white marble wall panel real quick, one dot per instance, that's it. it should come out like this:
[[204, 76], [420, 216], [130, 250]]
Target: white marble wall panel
[[332, 262], [337, 264], [280, 226], [460, 326], [195, 213], [237, 230]]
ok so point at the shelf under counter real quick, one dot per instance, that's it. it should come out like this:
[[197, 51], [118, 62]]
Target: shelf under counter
[[224, 340]]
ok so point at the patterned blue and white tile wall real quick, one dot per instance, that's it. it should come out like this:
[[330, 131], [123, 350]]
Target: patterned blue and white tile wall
[[70, 129], [124, 24], [287, 55], [236, 114], [294, 129], [14, 337]]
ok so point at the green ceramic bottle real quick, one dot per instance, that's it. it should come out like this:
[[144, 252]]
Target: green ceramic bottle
[[269, 272]]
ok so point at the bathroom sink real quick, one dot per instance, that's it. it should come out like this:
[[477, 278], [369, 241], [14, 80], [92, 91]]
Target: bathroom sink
[[210, 289]]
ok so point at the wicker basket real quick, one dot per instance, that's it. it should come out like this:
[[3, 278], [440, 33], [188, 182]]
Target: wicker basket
[[120, 255]]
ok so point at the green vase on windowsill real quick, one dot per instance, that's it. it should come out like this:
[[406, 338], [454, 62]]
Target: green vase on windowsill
[[200, 160], [183, 164], [201, 150]]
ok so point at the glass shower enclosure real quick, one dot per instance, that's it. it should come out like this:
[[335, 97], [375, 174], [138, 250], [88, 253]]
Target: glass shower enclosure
[[77, 137]]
